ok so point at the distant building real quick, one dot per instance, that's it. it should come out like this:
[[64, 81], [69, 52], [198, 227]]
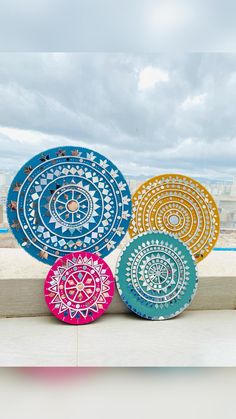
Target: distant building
[[233, 188], [224, 193], [1, 216], [134, 184], [3, 179]]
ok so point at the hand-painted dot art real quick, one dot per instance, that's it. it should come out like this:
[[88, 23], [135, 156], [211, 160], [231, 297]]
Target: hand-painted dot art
[[156, 276], [67, 200], [79, 288], [179, 205]]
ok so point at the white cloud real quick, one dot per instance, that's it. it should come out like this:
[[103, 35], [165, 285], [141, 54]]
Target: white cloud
[[92, 100], [150, 76], [147, 25], [192, 101], [23, 136], [169, 16]]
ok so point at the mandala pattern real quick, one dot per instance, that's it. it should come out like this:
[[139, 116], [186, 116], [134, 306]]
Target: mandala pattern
[[79, 288], [179, 205], [156, 276], [69, 200]]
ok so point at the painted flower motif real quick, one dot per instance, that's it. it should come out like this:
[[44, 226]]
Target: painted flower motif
[[43, 254], [122, 186], [17, 187], [12, 205], [15, 225], [91, 156], [28, 170], [103, 163], [75, 153], [114, 173], [125, 215], [120, 231], [111, 245], [44, 157], [125, 200], [61, 153]]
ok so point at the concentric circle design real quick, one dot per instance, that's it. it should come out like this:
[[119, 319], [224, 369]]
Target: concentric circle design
[[179, 205], [71, 206], [66, 200], [156, 276], [79, 288]]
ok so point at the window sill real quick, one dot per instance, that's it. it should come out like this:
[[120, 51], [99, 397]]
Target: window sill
[[22, 279]]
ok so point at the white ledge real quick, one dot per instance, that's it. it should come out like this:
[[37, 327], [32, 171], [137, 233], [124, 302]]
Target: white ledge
[[22, 278], [193, 339]]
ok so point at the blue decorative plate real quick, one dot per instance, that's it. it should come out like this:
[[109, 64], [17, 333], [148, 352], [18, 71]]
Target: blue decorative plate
[[67, 200], [156, 276]]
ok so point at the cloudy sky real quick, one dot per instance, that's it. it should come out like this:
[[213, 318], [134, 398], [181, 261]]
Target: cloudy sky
[[149, 113], [114, 26]]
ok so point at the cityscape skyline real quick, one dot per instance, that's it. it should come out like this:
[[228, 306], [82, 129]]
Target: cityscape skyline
[[224, 193]]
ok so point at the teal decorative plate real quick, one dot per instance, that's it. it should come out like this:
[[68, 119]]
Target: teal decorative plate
[[156, 276], [67, 200]]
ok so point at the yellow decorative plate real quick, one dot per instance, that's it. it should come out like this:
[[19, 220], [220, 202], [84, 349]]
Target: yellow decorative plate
[[179, 205]]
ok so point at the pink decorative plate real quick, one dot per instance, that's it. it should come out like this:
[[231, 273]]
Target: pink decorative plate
[[79, 288]]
